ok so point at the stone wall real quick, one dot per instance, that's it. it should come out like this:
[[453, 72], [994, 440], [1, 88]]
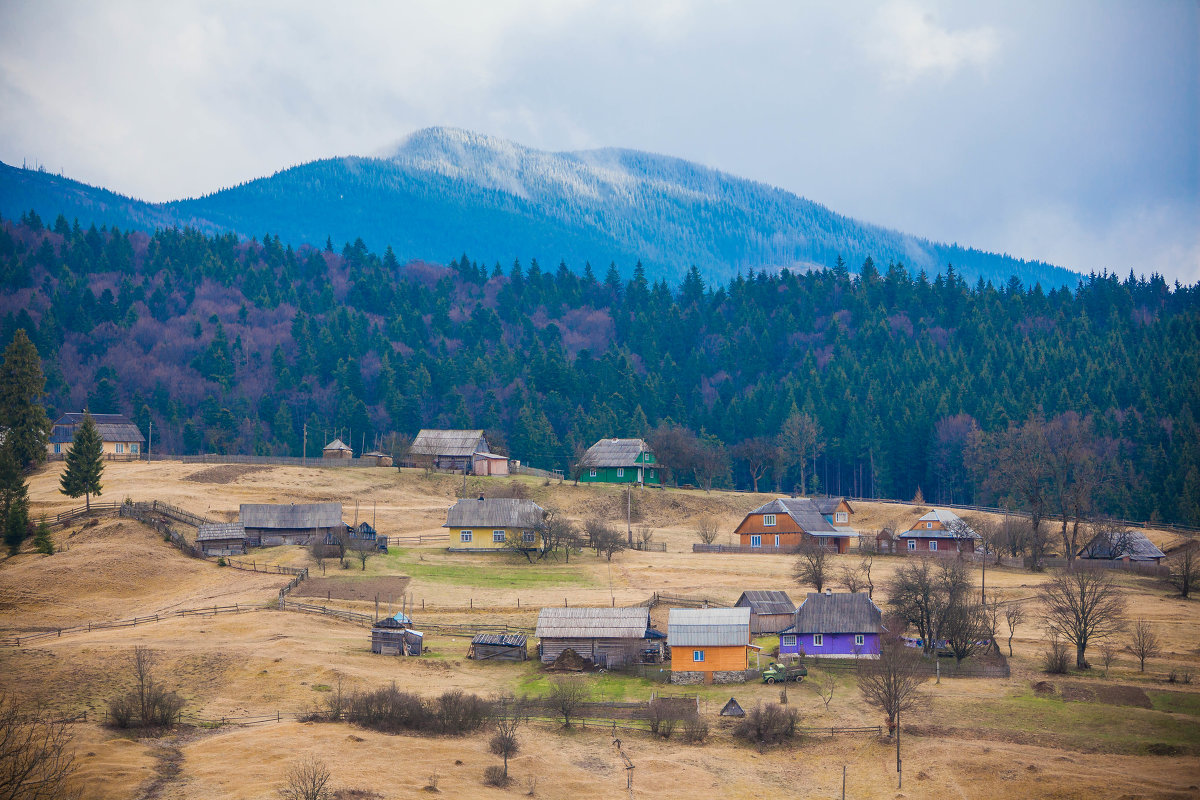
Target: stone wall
[[731, 676], [687, 678]]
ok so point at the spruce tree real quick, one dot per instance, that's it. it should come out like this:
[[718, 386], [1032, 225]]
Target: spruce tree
[[22, 387], [85, 462], [14, 499]]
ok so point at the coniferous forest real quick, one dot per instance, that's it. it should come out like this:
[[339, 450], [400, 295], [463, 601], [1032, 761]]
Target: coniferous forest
[[234, 346]]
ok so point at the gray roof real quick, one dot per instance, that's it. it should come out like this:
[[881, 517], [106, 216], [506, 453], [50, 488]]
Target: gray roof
[[300, 515], [220, 530], [112, 428], [828, 505], [948, 519], [708, 627], [839, 612], [615, 452], [430, 442], [767, 602], [494, 512], [1132, 543], [500, 639], [594, 623], [806, 513], [336, 444]]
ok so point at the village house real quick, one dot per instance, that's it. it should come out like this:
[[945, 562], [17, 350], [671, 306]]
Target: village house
[[221, 538], [709, 645], [620, 461], [608, 637], [270, 525], [770, 611], [940, 531], [337, 449], [456, 450], [1126, 545], [834, 625], [121, 438], [786, 524], [485, 524]]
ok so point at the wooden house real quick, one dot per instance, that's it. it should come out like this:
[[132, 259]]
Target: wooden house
[[120, 437], [620, 461], [939, 532], [485, 524], [834, 625], [608, 637], [786, 524], [451, 449], [271, 525], [770, 611], [394, 636], [709, 644], [337, 450], [221, 538], [1126, 545], [498, 647]]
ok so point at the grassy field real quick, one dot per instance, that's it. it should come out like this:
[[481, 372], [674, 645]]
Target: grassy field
[[1084, 736]]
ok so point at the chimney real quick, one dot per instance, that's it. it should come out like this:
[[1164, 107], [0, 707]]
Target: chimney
[[828, 592], [481, 497]]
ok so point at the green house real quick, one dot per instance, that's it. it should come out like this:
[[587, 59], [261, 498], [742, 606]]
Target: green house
[[620, 461]]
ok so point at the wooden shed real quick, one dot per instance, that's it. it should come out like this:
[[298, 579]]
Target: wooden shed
[[222, 539], [377, 458], [709, 640], [337, 449], [394, 636], [499, 647], [301, 523], [770, 611], [609, 637]]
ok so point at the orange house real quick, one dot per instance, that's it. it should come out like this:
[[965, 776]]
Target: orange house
[[789, 522], [709, 644]]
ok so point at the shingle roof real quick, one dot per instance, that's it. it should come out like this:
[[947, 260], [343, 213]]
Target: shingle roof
[[495, 512], [431, 442], [112, 428], [767, 602], [840, 612], [599, 623], [336, 444], [500, 639], [300, 515], [1132, 543], [689, 627], [615, 452], [220, 530]]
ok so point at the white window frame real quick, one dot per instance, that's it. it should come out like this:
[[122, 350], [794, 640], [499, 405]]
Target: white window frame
[[120, 447], [859, 640], [768, 520], [620, 472], [466, 536], [818, 640], [788, 641], [842, 516], [529, 537], [593, 474], [912, 544], [933, 544], [928, 526], [756, 541], [498, 536], [698, 656], [777, 540]]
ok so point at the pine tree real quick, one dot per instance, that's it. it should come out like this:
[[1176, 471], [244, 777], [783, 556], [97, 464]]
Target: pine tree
[[85, 462], [22, 417], [14, 499]]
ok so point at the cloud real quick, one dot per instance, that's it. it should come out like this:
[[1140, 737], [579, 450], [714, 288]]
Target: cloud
[[909, 44]]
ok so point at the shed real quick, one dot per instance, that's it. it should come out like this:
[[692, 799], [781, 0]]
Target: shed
[[770, 610], [337, 449], [834, 624], [732, 709], [609, 637], [447, 449], [1126, 545], [489, 464], [377, 458], [709, 641], [300, 523], [394, 636], [221, 538], [499, 647]]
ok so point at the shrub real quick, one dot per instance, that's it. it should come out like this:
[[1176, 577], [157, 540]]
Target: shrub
[[695, 730], [221, 562], [661, 718], [390, 710], [162, 706], [1056, 660], [494, 776], [769, 724], [121, 710], [460, 713]]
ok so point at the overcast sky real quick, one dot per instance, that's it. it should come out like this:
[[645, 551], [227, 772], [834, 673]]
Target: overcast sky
[[1063, 131]]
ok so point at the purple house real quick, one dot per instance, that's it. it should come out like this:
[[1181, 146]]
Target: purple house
[[830, 625]]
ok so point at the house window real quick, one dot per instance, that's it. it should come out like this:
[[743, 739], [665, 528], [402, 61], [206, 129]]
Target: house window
[[528, 537], [933, 544], [653, 474], [697, 655], [593, 473], [912, 544], [842, 516], [620, 472], [818, 640], [497, 536], [756, 541], [135, 448], [777, 540], [58, 448], [465, 536], [788, 641], [120, 448], [768, 520], [859, 639], [928, 526]]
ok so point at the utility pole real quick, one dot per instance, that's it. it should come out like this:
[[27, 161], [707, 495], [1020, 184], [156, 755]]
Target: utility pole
[[628, 513], [899, 771], [304, 447], [150, 441]]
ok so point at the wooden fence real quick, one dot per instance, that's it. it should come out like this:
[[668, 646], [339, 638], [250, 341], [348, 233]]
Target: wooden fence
[[1138, 567], [680, 601], [236, 608], [97, 510]]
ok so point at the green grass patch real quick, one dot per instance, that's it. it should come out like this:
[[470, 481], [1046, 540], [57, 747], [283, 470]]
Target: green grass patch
[[1175, 702], [486, 571], [322, 687], [611, 686]]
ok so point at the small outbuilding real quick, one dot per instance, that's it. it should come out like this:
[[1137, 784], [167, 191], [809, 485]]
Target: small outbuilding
[[770, 611], [271, 525], [732, 709], [221, 539], [499, 647], [1118, 545], [394, 636], [377, 458], [709, 645], [608, 637], [337, 449]]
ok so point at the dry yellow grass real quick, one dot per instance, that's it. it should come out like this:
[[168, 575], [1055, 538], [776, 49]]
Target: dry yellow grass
[[982, 738]]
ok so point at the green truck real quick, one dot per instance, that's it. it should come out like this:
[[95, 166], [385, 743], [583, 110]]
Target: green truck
[[784, 672]]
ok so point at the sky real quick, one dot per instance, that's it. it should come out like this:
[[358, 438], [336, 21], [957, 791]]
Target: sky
[[1062, 131]]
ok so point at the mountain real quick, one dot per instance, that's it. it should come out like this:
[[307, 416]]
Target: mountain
[[445, 191]]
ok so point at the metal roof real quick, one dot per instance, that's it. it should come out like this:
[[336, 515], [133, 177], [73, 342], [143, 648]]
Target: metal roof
[[494, 512], [615, 452], [337, 444], [948, 519], [1131, 543], [299, 515], [593, 623], [397, 620], [430, 442], [804, 511], [767, 602], [220, 530], [839, 612], [500, 639], [709, 627], [112, 428], [828, 505]]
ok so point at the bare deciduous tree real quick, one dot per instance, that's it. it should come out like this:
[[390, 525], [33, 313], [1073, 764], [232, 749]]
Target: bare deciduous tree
[[854, 579], [307, 780], [1014, 615], [508, 715], [559, 535], [1108, 654], [642, 536], [363, 549], [799, 440], [567, 695], [867, 562], [812, 567], [1143, 643], [1083, 606], [707, 530], [825, 688], [964, 626], [758, 453], [890, 682], [36, 759], [316, 549], [1185, 569]]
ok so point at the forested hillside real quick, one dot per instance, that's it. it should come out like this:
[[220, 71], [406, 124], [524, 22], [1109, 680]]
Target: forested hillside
[[232, 346]]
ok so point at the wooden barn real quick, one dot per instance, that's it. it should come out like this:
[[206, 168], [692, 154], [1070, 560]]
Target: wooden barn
[[120, 438], [271, 525], [770, 611], [499, 647], [337, 450], [222, 539], [451, 449], [609, 637], [394, 636]]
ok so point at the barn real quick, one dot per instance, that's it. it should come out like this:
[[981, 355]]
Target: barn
[[450, 449], [221, 538], [270, 525], [609, 637], [770, 611], [499, 647]]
